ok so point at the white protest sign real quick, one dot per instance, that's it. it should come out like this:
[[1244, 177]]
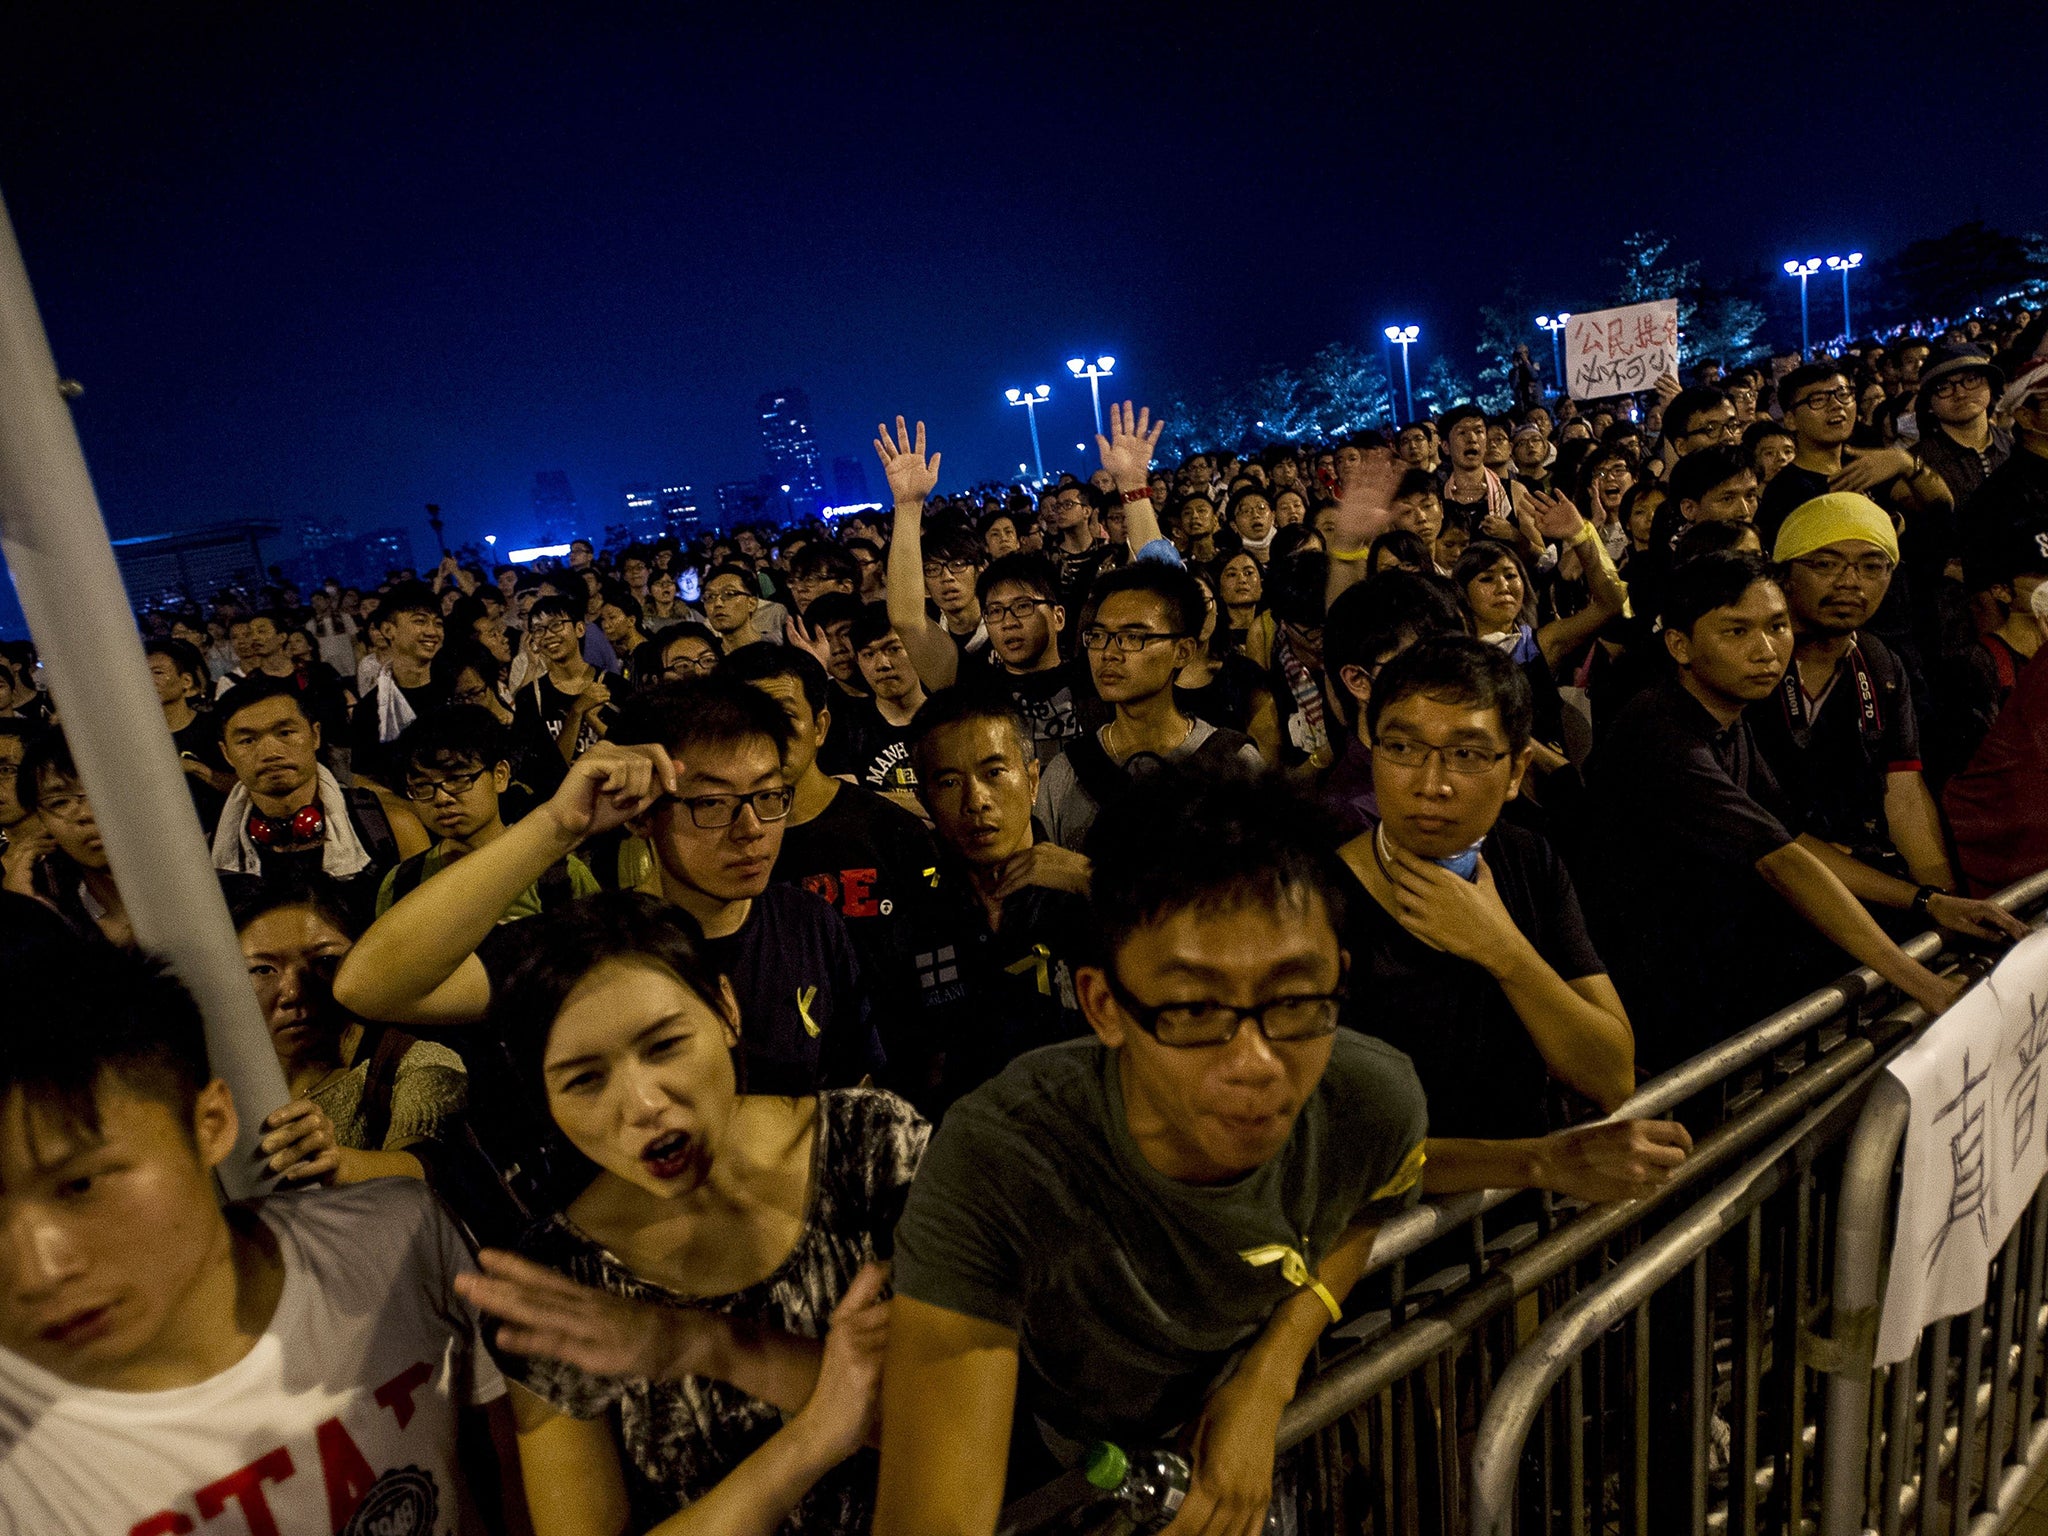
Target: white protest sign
[[1976, 1144], [1620, 351]]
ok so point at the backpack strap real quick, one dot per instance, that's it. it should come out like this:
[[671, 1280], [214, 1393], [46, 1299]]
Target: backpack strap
[[375, 826], [388, 1051], [1103, 778], [555, 890]]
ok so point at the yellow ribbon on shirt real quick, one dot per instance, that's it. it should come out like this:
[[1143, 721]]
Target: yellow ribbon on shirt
[[1041, 958], [1294, 1270], [1405, 1176], [805, 996]]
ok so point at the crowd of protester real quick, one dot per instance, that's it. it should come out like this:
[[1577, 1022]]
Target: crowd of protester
[[969, 984]]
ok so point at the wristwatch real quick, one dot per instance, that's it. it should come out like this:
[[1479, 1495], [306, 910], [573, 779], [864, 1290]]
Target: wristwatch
[[1922, 897]]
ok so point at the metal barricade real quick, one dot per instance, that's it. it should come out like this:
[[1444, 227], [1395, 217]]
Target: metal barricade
[[1388, 1432]]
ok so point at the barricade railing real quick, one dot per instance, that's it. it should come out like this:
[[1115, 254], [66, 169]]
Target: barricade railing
[[1399, 1397]]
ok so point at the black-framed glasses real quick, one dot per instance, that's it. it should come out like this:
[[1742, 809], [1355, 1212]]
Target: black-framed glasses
[[950, 567], [727, 595], [1842, 396], [1410, 755], [1727, 431], [469, 695], [691, 666], [1125, 640], [455, 785], [1191, 1026], [1871, 568], [714, 811], [553, 627], [1956, 383], [1019, 611]]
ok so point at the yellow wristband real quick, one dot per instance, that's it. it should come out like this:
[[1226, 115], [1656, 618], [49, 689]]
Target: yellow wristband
[[1351, 554]]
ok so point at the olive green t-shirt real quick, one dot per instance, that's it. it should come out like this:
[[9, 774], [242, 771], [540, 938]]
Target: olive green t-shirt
[[1130, 1291]]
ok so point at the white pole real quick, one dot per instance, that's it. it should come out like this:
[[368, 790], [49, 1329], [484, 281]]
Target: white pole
[[64, 573]]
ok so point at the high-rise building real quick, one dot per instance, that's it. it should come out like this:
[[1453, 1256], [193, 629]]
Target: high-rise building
[[849, 482], [385, 550], [554, 507], [791, 449], [643, 517], [739, 501], [679, 511]]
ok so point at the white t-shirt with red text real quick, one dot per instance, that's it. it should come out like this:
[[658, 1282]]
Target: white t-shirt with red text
[[341, 1421]]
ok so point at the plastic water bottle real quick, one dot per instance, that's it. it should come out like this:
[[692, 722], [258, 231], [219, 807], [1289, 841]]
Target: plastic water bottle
[[1150, 1484]]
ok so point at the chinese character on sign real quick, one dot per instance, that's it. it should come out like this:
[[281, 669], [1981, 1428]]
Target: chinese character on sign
[[1968, 1185], [2025, 1091]]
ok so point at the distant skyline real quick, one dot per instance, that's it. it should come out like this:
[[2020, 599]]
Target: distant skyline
[[342, 262]]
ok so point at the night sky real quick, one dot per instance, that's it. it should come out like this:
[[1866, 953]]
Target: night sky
[[348, 259]]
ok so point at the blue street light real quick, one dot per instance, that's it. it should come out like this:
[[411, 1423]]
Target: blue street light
[[1081, 368], [1554, 324], [1403, 336], [1803, 270], [1031, 400], [1845, 265]]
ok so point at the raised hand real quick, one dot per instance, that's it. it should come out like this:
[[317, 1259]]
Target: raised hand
[[1365, 507], [812, 642], [299, 1144], [911, 475], [1127, 451], [608, 786], [547, 1315], [1556, 516], [1865, 469]]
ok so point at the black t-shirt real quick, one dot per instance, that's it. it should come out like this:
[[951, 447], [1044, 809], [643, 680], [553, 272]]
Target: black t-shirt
[[881, 759], [1228, 698], [201, 739], [839, 752], [1129, 1291], [1053, 702], [538, 715], [1832, 759], [1699, 946], [1790, 489], [370, 758], [875, 865], [803, 1017], [1449, 1015]]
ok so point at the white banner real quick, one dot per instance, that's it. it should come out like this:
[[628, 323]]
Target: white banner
[[1976, 1144], [1621, 351]]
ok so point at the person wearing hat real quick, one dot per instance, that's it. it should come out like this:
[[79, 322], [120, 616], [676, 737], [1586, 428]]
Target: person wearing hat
[[1958, 438], [2018, 489], [1840, 731]]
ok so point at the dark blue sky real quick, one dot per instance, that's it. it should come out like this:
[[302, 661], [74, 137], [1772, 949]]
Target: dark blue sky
[[348, 259]]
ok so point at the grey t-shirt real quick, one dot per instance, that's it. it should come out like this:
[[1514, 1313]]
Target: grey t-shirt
[[1069, 810], [1130, 1291]]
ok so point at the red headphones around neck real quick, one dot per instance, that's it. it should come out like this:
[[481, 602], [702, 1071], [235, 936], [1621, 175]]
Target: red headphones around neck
[[308, 824]]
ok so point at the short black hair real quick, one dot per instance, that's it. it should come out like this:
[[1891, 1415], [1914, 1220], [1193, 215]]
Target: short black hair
[[1297, 587], [831, 608], [1697, 588], [85, 1014], [958, 545], [1688, 403], [319, 892], [43, 751], [744, 576], [1761, 428], [1382, 615], [702, 711], [561, 605], [956, 705], [253, 690], [1020, 568], [406, 597], [1457, 413], [758, 663], [1171, 584], [1697, 539], [1456, 669], [183, 655], [620, 596], [1416, 483], [1211, 840], [823, 561], [989, 520], [871, 626], [1701, 470], [1406, 548], [450, 737]]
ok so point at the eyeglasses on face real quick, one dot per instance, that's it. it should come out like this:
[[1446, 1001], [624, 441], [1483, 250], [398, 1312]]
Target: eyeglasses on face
[[454, 785], [1195, 1025], [725, 595], [714, 811], [1124, 640], [549, 627], [1820, 397], [691, 666], [1017, 611], [950, 568], [1410, 755], [1957, 383], [1871, 568]]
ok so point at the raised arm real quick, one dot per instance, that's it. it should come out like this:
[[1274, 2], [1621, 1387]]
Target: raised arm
[[418, 965], [1127, 455], [911, 478], [1558, 519], [1364, 512]]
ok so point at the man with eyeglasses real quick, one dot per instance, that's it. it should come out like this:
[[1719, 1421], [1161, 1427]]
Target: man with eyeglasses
[[1139, 1237], [1953, 406], [454, 764], [696, 769], [1467, 944], [731, 602], [881, 759], [1081, 552], [1147, 616], [1820, 408], [1842, 735], [569, 706], [1698, 418], [687, 651]]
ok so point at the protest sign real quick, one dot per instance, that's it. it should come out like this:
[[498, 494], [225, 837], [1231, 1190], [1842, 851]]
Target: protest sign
[[1620, 351], [1976, 1144]]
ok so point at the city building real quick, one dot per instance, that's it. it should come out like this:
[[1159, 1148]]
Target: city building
[[554, 507], [791, 449], [740, 501], [679, 512], [170, 570], [849, 481], [643, 516], [384, 550]]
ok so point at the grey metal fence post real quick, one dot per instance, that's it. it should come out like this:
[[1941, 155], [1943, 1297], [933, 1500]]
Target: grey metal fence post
[[63, 566]]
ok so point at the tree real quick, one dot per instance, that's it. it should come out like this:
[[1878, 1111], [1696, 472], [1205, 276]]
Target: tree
[[1503, 326], [1441, 388], [1713, 321], [1345, 390], [1949, 275]]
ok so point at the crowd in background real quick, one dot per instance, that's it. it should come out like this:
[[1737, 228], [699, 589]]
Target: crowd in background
[[1101, 902]]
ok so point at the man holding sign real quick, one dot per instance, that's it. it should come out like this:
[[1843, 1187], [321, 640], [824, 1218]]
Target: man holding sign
[[1621, 351]]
